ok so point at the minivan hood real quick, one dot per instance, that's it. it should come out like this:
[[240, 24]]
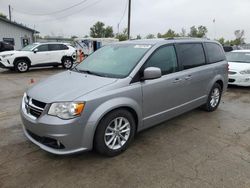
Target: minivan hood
[[238, 66], [67, 86]]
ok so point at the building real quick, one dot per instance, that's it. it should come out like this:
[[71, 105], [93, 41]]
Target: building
[[15, 33]]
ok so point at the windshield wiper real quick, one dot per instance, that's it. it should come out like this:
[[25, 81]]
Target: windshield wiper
[[88, 72]]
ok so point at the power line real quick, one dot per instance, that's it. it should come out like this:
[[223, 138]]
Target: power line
[[90, 5], [51, 13], [125, 10]]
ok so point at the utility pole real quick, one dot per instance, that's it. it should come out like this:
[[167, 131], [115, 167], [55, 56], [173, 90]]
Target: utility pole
[[10, 12], [129, 16]]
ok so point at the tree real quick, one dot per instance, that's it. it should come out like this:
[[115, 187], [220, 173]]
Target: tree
[[123, 36], [73, 37], [3, 15], [183, 32], [239, 35], [150, 36], [221, 40], [109, 32], [138, 37], [200, 32], [169, 34], [98, 30]]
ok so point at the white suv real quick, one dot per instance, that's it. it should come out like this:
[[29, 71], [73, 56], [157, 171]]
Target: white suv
[[38, 55]]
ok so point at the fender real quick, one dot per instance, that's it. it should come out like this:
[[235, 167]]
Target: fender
[[22, 57], [105, 108]]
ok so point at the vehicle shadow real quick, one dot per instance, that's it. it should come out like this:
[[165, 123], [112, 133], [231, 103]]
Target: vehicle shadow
[[32, 70]]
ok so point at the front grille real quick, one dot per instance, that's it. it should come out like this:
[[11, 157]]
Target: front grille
[[50, 142], [38, 103], [231, 80], [232, 72], [34, 107]]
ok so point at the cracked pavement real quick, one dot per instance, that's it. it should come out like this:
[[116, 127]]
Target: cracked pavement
[[197, 149]]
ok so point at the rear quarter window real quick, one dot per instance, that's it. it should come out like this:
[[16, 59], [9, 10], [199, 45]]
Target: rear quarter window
[[214, 52], [191, 55]]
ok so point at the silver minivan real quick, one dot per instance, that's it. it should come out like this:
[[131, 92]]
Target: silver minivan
[[120, 90]]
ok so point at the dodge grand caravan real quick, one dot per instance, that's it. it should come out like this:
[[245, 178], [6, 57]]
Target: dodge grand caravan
[[120, 90]]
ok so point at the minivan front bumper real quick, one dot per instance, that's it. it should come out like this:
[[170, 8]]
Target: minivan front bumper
[[55, 135]]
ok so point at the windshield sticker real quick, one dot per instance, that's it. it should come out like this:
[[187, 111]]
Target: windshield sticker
[[143, 46]]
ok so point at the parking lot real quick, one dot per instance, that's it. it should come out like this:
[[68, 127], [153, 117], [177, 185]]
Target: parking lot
[[197, 149]]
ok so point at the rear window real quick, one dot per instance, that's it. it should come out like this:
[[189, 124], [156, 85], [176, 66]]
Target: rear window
[[214, 53], [191, 55]]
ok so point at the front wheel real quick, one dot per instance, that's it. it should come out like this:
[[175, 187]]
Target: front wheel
[[114, 133], [67, 63], [22, 66], [214, 98]]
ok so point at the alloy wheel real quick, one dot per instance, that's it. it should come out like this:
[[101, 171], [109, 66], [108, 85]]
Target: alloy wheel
[[117, 133], [22, 66], [215, 97]]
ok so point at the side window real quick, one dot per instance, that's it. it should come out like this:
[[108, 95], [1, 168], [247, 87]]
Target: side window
[[191, 55], [165, 59], [43, 48], [54, 47], [64, 47], [214, 52]]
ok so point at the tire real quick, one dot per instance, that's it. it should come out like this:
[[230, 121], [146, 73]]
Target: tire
[[22, 65], [67, 63], [111, 141], [214, 98]]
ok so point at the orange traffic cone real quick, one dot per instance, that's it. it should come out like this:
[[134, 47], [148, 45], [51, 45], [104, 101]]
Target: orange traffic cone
[[32, 81]]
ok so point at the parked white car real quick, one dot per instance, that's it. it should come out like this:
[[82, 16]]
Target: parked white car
[[239, 67], [38, 55]]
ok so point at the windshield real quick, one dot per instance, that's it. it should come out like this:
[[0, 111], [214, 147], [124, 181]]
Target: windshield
[[240, 57], [115, 61], [29, 47]]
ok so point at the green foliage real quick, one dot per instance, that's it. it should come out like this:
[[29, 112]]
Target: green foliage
[[98, 30], [150, 36], [122, 36], [169, 34], [239, 39], [222, 41], [73, 37], [200, 32], [109, 32], [138, 37], [3, 15]]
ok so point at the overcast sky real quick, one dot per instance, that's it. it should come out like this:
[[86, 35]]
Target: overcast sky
[[148, 16]]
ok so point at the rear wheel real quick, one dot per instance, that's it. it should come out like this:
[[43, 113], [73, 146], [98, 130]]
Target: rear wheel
[[22, 65], [114, 133], [67, 63], [214, 98]]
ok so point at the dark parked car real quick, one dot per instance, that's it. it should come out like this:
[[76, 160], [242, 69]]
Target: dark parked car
[[4, 46], [228, 48]]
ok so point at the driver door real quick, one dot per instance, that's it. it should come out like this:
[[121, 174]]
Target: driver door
[[162, 97]]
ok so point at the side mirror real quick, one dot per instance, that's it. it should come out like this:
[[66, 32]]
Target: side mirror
[[151, 73], [35, 50]]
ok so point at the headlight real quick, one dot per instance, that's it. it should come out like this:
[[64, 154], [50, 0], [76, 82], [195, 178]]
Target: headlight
[[245, 72], [66, 110], [7, 55], [25, 98]]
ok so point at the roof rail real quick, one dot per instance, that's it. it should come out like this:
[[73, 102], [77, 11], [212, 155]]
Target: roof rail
[[186, 38]]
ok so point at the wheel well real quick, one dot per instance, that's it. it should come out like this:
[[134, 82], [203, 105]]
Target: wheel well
[[220, 83], [131, 110], [67, 57], [22, 58]]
